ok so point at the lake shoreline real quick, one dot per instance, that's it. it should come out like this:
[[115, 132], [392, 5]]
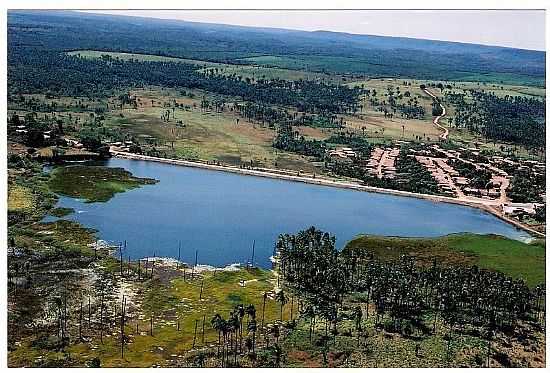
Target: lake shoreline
[[284, 175]]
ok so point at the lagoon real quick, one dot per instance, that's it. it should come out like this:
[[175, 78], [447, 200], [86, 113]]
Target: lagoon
[[221, 214]]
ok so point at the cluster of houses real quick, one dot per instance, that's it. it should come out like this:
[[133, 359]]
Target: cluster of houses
[[538, 168], [447, 178], [382, 162], [435, 160], [439, 162], [74, 143], [122, 145], [22, 129], [342, 155]]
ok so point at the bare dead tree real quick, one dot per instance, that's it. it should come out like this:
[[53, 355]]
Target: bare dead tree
[[195, 334], [80, 322], [122, 315], [101, 319], [89, 312], [253, 249], [179, 252], [121, 273], [65, 317], [203, 321]]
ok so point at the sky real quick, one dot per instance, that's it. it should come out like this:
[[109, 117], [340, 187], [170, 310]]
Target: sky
[[509, 28]]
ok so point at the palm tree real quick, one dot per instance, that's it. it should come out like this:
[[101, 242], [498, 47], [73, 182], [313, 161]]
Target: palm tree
[[218, 324], [240, 311], [251, 311], [252, 329], [263, 309], [281, 298], [225, 330], [358, 316], [234, 325], [276, 331], [200, 358], [278, 353]]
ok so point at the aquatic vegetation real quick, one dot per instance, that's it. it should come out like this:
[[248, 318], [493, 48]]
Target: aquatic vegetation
[[94, 183]]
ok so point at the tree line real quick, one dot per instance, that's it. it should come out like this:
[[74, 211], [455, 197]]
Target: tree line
[[48, 72], [511, 119], [406, 296]]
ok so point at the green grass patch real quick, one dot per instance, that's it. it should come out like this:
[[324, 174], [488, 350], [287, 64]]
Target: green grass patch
[[514, 258], [168, 302], [140, 57], [94, 183], [20, 198], [246, 71], [61, 211]]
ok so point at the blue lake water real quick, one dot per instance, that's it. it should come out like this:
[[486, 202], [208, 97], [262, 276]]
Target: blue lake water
[[220, 214]]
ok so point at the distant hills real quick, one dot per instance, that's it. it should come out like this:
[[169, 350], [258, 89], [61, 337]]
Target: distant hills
[[319, 50]]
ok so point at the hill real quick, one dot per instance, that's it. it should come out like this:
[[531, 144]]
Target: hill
[[318, 51]]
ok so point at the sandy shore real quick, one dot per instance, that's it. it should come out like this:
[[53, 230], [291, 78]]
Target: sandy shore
[[491, 207]]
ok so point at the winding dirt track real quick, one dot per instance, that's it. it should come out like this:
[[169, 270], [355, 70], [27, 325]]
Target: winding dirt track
[[445, 133]]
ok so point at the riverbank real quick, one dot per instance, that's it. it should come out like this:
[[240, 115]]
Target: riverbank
[[491, 207]]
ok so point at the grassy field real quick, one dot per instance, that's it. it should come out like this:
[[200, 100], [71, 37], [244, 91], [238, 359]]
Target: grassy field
[[28, 195], [206, 135], [379, 349], [20, 198], [359, 66], [376, 126], [498, 89], [246, 71], [514, 258], [175, 306], [94, 184], [341, 65]]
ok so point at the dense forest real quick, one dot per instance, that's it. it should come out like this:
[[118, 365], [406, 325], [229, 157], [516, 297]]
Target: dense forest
[[320, 51], [61, 74], [406, 294], [526, 186], [510, 119], [290, 140]]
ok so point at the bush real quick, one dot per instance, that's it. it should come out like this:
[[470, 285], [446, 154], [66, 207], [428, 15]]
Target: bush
[[94, 363]]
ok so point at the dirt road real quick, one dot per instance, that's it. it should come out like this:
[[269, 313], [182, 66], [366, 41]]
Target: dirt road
[[445, 133]]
